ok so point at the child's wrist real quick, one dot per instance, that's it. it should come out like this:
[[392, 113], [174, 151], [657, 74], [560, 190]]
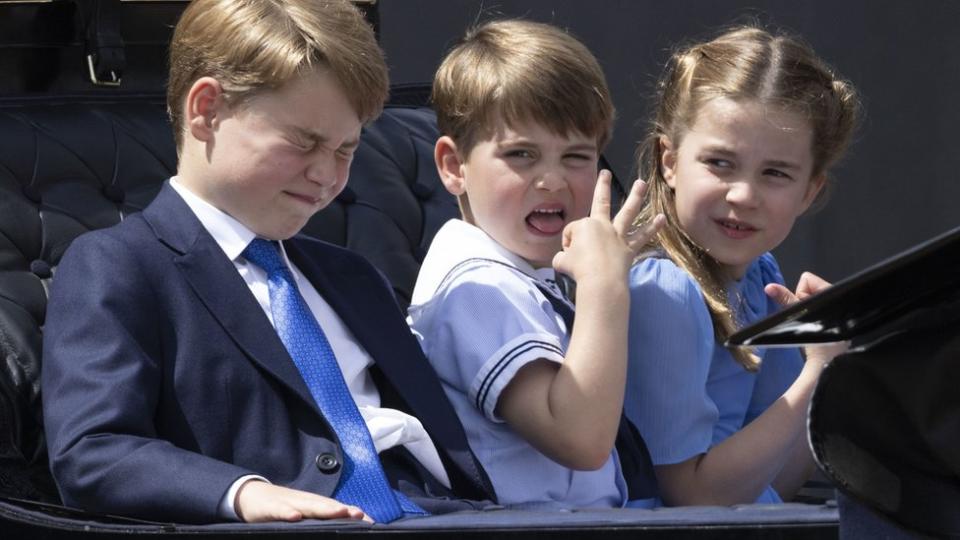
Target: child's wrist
[[606, 286]]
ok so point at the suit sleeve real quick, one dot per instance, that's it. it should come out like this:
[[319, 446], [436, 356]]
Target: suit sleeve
[[102, 388]]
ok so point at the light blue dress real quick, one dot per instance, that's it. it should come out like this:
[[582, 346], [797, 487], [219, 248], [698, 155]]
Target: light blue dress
[[686, 393]]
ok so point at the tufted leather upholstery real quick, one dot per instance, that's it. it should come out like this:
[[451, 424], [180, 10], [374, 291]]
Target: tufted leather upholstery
[[65, 168], [72, 165]]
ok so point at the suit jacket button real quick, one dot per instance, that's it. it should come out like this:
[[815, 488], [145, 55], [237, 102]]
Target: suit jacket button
[[328, 463]]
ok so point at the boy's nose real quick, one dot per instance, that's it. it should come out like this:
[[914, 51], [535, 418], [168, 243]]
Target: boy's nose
[[550, 180], [322, 169]]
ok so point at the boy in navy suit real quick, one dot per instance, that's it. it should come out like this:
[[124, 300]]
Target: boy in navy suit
[[174, 388]]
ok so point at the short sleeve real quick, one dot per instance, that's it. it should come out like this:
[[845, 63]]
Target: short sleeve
[[671, 345], [482, 327]]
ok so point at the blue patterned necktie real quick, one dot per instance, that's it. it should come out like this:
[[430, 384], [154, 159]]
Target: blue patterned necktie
[[363, 482]]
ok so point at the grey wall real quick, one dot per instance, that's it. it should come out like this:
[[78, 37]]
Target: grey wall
[[899, 184]]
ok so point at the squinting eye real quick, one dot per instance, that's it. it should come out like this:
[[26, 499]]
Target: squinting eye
[[306, 146], [579, 161]]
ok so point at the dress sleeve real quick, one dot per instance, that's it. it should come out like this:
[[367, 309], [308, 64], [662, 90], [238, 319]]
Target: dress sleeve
[[671, 344], [780, 366], [485, 325]]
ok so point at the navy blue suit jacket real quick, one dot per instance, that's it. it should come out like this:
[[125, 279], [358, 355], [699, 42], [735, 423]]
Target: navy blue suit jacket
[[164, 381]]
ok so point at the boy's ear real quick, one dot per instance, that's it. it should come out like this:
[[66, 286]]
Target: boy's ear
[[203, 106], [813, 189], [668, 160], [449, 165]]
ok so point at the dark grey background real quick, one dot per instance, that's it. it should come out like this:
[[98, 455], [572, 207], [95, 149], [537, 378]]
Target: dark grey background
[[898, 185]]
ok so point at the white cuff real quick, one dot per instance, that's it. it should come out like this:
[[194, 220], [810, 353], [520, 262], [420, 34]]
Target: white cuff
[[503, 364], [226, 509]]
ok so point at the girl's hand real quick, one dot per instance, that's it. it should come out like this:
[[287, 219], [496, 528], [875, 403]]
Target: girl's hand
[[809, 285], [597, 243]]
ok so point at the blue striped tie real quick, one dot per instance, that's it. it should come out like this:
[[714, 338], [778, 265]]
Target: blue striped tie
[[363, 482]]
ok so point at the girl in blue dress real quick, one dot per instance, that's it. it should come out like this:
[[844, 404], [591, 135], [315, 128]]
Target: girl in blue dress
[[746, 128]]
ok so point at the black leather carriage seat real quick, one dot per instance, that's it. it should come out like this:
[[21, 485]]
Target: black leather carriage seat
[[71, 165]]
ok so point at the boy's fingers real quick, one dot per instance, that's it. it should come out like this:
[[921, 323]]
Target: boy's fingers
[[601, 196], [567, 236], [260, 501], [558, 262], [623, 221], [328, 509], [640, 236]]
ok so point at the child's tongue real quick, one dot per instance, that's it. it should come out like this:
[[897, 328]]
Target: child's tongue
[[546, 223]]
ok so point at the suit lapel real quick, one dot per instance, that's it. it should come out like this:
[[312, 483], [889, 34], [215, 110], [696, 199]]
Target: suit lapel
[[357, 298], [365, 305], [220, 288]]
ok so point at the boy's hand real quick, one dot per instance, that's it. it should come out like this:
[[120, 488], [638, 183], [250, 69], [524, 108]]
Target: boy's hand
[[571, 411], [597, 243], [809, 285], [262, 501]]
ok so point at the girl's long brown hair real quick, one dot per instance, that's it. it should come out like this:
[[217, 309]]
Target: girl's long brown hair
[[742, 64]]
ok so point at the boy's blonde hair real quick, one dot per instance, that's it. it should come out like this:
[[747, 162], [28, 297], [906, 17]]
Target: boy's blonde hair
[[742, 64], [519, 71], [252, 45]]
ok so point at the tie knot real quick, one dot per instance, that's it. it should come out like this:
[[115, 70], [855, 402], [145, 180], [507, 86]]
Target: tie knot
[[264, 254]]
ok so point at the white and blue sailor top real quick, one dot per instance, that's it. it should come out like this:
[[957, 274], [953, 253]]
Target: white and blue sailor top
[[480, 317]]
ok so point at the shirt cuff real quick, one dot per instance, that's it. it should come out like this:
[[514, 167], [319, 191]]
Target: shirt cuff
[[503, 364], [226, 509]]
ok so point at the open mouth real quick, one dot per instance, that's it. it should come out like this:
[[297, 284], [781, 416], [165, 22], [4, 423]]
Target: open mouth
[[546, 221], [735, 229]]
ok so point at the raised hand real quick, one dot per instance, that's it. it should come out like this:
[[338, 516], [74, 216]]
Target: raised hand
[[809, 285], [598, 245], [258, 501]]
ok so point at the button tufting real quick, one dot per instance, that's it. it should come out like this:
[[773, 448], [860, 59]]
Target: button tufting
[[114, 194], [32, 193], [41, 269], [328, 463]]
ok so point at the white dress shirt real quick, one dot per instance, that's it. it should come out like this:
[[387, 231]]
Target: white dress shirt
[[388, 427]]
